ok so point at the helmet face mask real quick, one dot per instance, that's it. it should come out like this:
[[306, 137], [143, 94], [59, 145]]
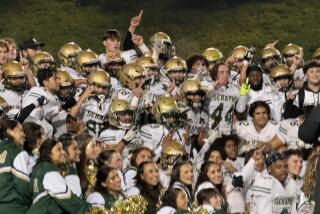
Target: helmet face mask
[[67, 54], [18, 84], [113, 68], [66, 92], [270, 63], [160, 43], [87, 69], [195, 99], [283, 82], [170, 120], [171, 153], [125, 119], [14, 77], [177, 76], [120, 114]]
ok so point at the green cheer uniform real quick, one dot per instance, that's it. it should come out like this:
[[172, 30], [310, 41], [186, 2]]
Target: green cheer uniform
[[51, 193]]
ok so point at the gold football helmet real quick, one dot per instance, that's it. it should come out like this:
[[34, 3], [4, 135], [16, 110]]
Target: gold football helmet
[[67, 87], [149, 65], [280, 71], [146, 62], [270, 58], [67, 52], [120, 114], [14, 76], [282, 77], [239, 52], [192, 87], [170, 153], [212, 55], [64, 78], [86, 58], [99, 77], [114, 64], [316, 54], [291, 50], [159, 38], [166, 107], [176, 64], [269, 53], [129, 73], [161, 46], [42, 60]]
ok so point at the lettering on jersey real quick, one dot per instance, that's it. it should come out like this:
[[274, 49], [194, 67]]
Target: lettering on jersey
[[224, 98], [282, 201], [95, 116], [3, 156], [282, 205], [35, 185]]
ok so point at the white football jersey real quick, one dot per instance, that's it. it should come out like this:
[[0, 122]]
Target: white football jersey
[[49, 110], [247, 131], [288, 134], [221, 107], [114, 136], [235, 76], [152, 135], [59, 123], [12, 98], [94, 113], [310, 98], [197, 119], [270, 196], [272, 97]]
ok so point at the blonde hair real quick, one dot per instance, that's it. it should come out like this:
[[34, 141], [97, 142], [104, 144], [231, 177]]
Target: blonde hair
[[310, 175]]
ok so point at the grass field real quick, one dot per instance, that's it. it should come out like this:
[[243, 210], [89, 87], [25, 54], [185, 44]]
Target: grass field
[[193, 24]]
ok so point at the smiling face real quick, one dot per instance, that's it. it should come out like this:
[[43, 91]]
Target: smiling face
[[58, 155], [112, 182], [73, 153], [186, 174], [151, 174], [214, 174], [295, 165]]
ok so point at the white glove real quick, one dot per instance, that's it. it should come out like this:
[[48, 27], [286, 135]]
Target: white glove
[[201, 73], [213, 134], [130, 134]]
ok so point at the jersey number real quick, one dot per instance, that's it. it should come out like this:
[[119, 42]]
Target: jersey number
[[217, 115]]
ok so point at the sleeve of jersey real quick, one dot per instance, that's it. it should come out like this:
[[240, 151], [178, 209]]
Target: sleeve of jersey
[[261, 194], [247, 173], [282, 134], [96, 200], [147, 137], [57, 188], [31, 98], [21, 176]]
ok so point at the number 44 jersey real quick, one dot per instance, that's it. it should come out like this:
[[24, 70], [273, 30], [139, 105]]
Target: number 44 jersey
[[221, 104]]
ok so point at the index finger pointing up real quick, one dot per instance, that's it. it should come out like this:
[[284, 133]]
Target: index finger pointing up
[[140, 14]]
